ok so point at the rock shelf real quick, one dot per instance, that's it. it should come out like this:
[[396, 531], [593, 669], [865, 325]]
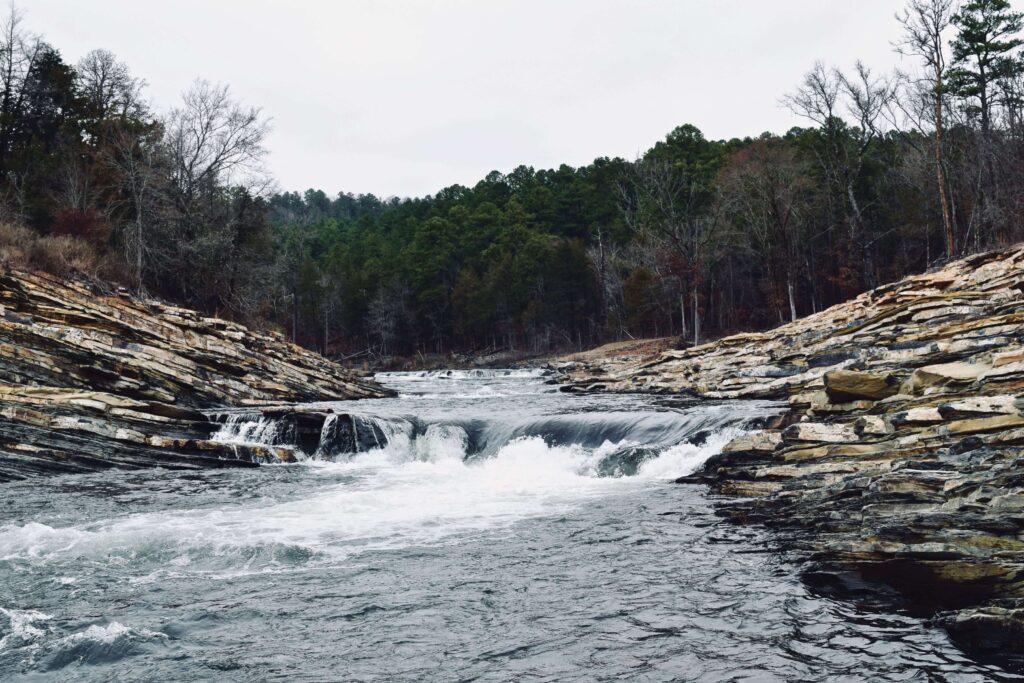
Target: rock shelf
[[91, 380], [899, 461]]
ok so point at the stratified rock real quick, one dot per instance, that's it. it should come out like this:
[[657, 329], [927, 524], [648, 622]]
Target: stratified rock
[[849, 385], [90, 380], [903, 461], [63, 334]]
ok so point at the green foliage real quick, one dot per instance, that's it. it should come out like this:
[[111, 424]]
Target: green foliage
[[696, 238], [982, 52]]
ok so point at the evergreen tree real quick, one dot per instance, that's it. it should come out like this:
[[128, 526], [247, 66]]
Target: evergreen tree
[[983, 53]]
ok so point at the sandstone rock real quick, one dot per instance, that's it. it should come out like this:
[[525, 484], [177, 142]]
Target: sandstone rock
[[816, 432], [944, 374], [872, 425], [64, 335], [851, 385], [978, 406], [762, 441]]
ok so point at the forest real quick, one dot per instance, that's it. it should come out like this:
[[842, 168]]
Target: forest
[[888, 174]]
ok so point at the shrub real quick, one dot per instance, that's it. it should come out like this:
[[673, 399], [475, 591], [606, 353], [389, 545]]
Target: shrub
[[87, 224], [62, 255], [15, 241]]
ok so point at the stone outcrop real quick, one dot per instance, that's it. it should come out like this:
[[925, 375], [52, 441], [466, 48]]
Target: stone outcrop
[[897, 457], [90, 380]]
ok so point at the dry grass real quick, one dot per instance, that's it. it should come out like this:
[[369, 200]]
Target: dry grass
[[62, 255], [634, 348]]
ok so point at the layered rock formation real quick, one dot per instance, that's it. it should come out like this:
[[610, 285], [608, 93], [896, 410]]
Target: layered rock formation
[[90, 380], [898, 459]]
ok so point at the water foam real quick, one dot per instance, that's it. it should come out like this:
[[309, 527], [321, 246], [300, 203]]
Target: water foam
[[471, 374], [22, 627], [686, 458], [417, 489]]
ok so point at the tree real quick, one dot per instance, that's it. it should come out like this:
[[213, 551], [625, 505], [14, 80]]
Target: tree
[[766, 192], [214, 146], [139, 162], [844, 149], [212, 139], [924, 25], [982, 53], [19, 53], [109, 89]]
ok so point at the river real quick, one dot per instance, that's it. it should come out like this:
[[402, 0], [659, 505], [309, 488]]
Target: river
[[496, 530]]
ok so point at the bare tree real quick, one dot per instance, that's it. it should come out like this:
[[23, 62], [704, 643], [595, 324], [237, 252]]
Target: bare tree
[[19, 53], [213, 139], [924, 23], [766, 192], [140, 165], [864, 97], [663, 204], [109, 87]]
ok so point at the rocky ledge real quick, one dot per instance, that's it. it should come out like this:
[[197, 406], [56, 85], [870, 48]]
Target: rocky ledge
[[898, 464], [91, 379]]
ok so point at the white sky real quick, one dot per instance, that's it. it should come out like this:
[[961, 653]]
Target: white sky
[[407, 97]]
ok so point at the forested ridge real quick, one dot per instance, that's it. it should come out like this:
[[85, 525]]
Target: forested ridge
[[888, 173]]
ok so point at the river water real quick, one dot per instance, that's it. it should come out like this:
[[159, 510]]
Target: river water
[[501, 532]]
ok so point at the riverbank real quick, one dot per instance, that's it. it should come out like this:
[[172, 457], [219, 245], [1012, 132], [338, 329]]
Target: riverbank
[[899, 461], [92, 379]]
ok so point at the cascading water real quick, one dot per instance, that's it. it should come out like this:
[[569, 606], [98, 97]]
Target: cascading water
[[480, 526], [457, 422]]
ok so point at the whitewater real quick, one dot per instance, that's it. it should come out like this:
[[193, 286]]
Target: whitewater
[[489, 528]]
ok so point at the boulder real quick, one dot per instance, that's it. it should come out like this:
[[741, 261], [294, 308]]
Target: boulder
[[851, 385]]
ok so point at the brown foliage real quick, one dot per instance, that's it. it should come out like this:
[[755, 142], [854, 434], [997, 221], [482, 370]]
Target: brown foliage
[[88, 224], [63, 255]]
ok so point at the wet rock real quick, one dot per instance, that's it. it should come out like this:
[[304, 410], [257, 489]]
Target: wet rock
[[899, 465], [90, 381], [994, 629]]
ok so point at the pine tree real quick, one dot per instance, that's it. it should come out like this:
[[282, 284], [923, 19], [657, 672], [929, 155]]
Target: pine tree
[[983, 53]]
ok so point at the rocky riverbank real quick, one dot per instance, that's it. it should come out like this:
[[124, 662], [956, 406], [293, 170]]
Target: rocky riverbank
[[91, 379], [899, 462]]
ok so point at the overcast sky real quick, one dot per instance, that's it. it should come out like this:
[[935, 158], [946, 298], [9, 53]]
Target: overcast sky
[[407, 97]]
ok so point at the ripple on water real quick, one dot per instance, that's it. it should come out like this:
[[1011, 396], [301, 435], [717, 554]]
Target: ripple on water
[[412, 564]]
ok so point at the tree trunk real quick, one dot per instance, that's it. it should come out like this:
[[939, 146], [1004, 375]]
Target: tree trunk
[[792, 302], [138, 254], [682, 314], [696, 320], [940, 172]]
